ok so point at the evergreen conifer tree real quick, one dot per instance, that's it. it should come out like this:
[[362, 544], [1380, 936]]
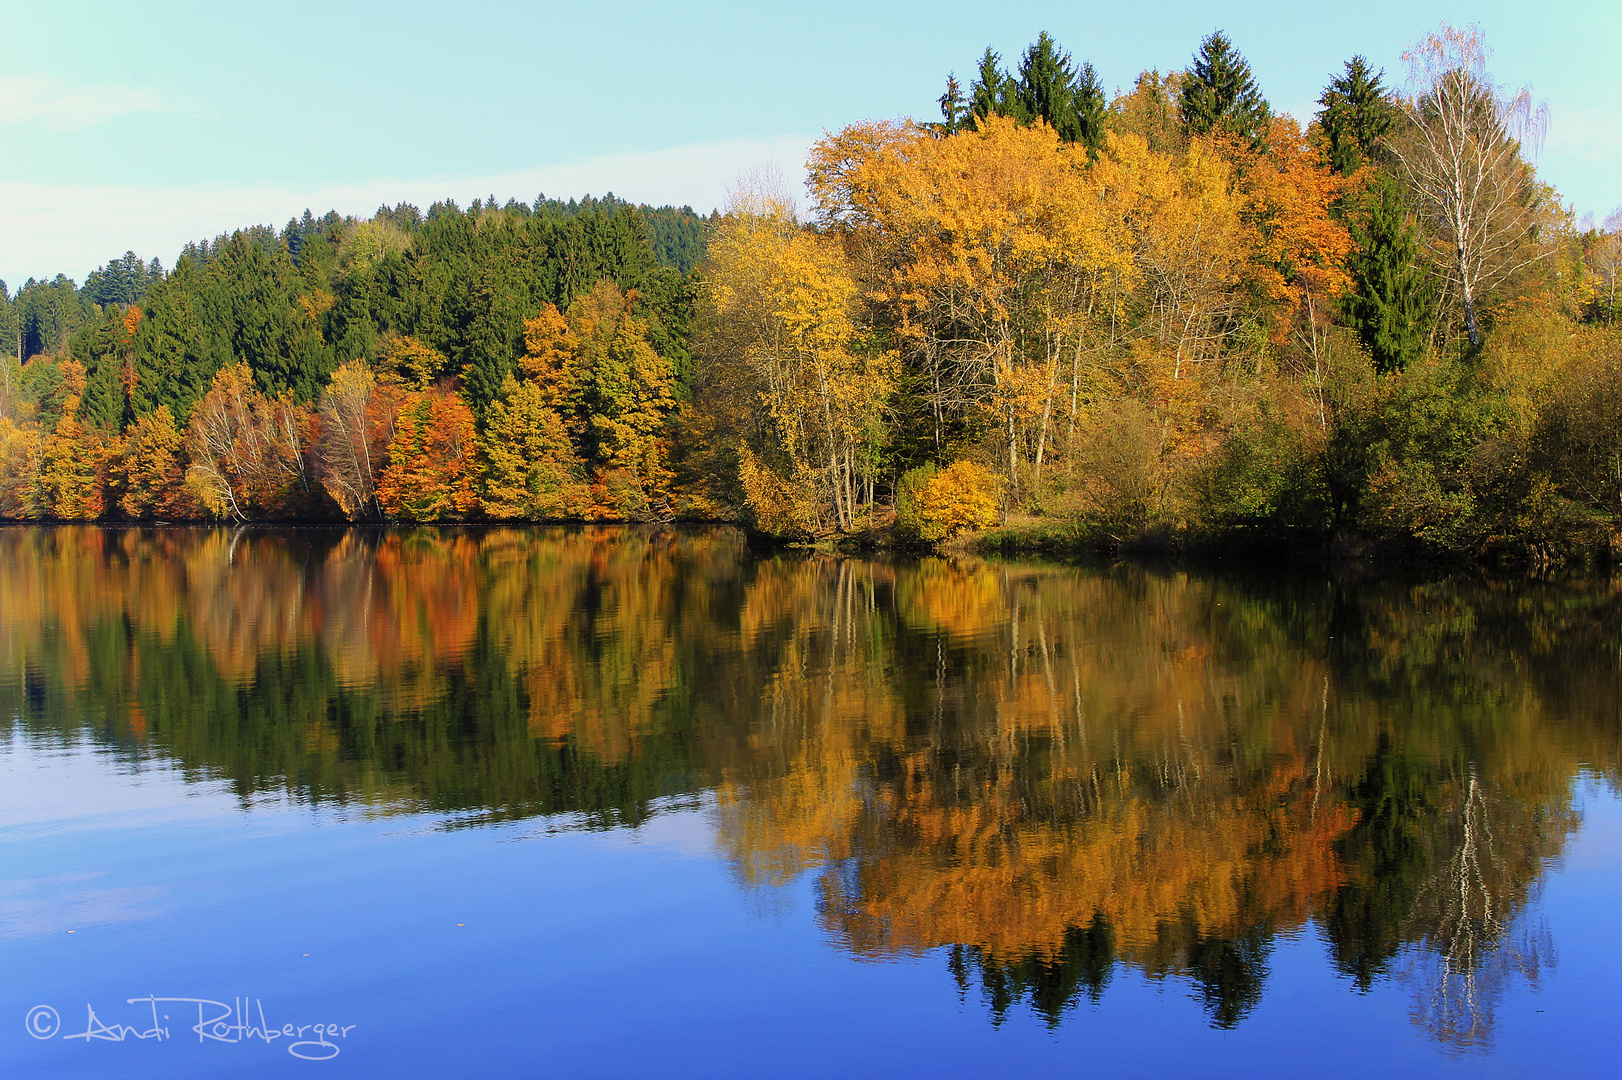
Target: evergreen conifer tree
[[954, 108], [992, 91], [1220, 93], [1049, 87], [1391, 293], [1356, 115]]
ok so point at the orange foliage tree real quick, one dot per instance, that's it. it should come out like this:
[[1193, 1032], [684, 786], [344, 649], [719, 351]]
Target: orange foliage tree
[[431, 459]]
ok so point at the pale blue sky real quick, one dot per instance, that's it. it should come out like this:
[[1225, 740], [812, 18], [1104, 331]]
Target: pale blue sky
[[143, 125]]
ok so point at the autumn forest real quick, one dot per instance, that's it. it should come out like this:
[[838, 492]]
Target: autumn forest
[[1043, 315]]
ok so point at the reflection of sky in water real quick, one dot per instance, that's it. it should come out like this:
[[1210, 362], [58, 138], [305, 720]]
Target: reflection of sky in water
[[515, 949]]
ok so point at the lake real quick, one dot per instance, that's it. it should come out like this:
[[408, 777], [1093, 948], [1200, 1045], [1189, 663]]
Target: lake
[[628, 802]]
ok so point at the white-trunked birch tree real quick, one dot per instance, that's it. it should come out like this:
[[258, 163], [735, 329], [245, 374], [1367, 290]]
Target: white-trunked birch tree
[[1462, 156]]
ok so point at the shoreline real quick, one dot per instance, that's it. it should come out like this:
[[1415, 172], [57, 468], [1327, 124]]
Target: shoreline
[[1032, 539]]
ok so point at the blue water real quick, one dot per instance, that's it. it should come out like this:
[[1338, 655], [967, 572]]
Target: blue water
[[523, 949]]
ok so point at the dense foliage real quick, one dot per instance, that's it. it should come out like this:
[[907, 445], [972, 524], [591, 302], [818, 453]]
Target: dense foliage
[[1191, 321], [1174, 317], [325, 369]]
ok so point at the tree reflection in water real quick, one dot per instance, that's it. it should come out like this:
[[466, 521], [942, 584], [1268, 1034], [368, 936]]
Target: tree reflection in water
[[1044, 772]]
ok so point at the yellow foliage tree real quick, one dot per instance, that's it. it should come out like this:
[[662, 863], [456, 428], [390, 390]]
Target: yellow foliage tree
[[416, 364], [960, 497], [151, 472], [787, 331], [19, 469], [529, 468], [621, 390], [247, 452], [993, 255]]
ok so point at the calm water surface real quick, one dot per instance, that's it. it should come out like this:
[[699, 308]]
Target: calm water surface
[[631, 802]]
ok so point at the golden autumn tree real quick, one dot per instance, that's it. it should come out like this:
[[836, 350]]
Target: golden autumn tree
[[248, 453], [357, 414], [19, 469], [808, 383], [417, 365], [528, 466], [992, 255], [74, 458], [960, 497], [1188, 244], [620, 388], [151, 471], [580, 430], [550, 355]]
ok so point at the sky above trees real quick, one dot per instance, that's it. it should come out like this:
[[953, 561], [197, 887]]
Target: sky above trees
[[135, 128]]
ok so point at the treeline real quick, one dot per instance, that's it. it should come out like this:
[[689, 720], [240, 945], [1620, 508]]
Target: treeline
[[1178, 316], [312, 372], [1172, 317]]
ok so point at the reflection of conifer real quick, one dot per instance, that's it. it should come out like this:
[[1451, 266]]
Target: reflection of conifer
[[1230, 973], [1052, 983], [1386, 857]]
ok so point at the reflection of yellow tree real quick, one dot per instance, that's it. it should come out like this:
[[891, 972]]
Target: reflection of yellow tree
[[1150, 754], [580, 618]]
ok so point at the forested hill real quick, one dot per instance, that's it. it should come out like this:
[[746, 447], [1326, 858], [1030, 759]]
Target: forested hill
[[297, 303]]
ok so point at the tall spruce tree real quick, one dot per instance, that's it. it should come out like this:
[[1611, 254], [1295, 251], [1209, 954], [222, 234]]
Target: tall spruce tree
[[992, 91], [122, 281], [954, 107], [1051, 88], [1392, 294], [1220, 93], [1356, 115], [1048, 87], [10, 339]]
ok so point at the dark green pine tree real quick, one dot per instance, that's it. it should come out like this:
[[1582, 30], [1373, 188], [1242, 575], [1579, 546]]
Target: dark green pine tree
[[121, 281], [993, 91], [10, 343], [1091, 104], [50, 312], [100, 347], [1051, 88], [1356, 115], [258, 285], [489, 345], [954, 108], [182, 342], [1391, 293], [1220, 94]]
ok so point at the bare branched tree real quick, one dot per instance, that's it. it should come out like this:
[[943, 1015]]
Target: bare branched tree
[[1462, 154], [346, 451]]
